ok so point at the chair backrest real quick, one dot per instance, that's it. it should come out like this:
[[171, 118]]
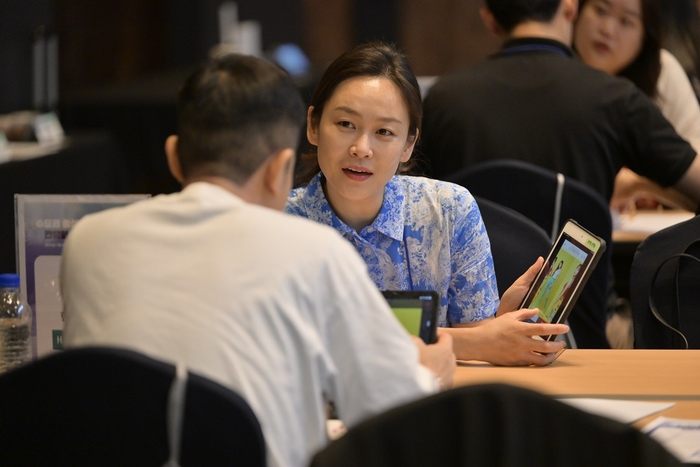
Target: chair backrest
[[675, 291], [516, 241], [550, 199], [111, 407], [492, 425]]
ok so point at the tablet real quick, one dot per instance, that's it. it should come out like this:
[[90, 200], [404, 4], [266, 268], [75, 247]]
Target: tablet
[[416, 310], [565, 272]]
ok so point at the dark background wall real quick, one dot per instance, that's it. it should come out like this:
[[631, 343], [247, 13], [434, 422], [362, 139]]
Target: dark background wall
[[114, 41], [122, 61], [20, 20]]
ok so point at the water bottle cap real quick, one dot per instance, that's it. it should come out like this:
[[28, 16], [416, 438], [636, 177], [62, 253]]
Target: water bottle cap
[[9, 281]]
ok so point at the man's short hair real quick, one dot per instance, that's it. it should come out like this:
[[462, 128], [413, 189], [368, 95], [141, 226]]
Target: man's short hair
[[510, 13], [234, 112]]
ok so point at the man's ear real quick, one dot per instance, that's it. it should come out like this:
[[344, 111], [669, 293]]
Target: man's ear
[[570, 10], [490, 22], [279, 172], [173, 158], [311, 129]]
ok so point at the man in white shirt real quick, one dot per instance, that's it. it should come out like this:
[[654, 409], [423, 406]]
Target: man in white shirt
[[277, 308]]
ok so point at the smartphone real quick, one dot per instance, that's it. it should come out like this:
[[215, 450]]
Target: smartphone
[[565, 272], [416, 310]]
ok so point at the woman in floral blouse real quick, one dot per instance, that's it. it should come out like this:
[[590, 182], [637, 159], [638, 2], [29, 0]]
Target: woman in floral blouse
[[414, 233]]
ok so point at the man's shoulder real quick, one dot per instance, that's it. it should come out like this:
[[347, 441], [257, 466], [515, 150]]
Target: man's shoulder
[[457, 78], [305, 234], [509, 69], [179, 210], [102, 220], [298, 224]]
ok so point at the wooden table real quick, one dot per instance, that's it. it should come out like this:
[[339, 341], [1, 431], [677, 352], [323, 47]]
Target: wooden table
[[622, 374], [644, 375]]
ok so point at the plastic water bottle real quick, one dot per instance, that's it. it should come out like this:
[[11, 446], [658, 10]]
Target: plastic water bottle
[[15, 325]]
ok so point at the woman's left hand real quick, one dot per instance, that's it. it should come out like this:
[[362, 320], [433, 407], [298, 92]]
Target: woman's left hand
[[511, 299]]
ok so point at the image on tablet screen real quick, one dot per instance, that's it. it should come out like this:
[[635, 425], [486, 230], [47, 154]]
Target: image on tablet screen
[[559, 281]]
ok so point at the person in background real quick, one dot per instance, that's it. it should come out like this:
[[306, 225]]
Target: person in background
[[681, 36], [536, 102], [623, 38], [276, 308], [414, 233]]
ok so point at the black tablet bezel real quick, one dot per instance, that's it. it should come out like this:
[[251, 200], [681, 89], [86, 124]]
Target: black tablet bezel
[[428, 318], [577, 235]]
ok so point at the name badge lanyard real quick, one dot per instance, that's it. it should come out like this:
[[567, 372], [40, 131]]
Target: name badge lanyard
[[518, 49], [408, 259]]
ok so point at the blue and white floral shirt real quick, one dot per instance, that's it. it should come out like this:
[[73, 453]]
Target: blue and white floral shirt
[[428, 235]]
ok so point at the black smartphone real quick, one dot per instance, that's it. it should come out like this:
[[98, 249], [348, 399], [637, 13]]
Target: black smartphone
[[565, 272]]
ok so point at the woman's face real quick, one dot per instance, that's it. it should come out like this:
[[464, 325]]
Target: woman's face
[[609, 34], [361, 138]]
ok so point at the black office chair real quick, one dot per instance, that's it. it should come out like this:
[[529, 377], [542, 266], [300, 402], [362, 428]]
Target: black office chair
[[516, 241], [666, 273], [550, 199], [114, 407], [492, 425]]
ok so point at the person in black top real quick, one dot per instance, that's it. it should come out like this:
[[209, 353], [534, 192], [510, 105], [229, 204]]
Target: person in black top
[[535, 101], [681, 36]]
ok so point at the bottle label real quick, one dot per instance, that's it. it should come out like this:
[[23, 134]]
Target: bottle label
[[57, 339]]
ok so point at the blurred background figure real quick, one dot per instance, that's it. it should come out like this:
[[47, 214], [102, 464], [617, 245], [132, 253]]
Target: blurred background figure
[[625, 38], [681, 36]]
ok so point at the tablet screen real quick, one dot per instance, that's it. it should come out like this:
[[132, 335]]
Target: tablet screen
[[416, 310], [563, 275]]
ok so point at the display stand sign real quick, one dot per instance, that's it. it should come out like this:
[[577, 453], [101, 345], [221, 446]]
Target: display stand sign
[[42, 223], [48, 129]]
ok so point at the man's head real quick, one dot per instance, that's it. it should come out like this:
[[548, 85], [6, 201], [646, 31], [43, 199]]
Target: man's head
[[235, 113], [511, 13]]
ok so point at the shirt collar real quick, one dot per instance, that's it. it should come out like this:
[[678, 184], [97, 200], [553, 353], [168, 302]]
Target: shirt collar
[[211, 191], [535, 44], [389, 221], [391, 218]]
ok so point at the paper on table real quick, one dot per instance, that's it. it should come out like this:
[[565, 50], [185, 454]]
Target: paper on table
[[650, 222], [680, 437], [620, 410], [24, 150]]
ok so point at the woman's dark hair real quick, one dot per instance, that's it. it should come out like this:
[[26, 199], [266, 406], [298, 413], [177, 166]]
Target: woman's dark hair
[[372, 59], [681, 36], [645, 69]]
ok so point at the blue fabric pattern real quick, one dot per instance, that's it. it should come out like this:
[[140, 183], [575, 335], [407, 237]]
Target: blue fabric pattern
[[440, 227]]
